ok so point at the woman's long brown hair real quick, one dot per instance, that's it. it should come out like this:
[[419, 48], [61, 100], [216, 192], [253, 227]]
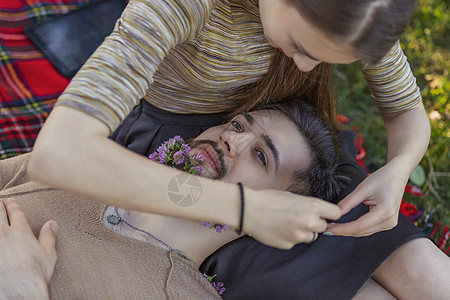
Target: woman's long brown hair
[[285, 80], [371, 27]]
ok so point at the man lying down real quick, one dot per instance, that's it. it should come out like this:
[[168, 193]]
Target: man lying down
[[108, 252]]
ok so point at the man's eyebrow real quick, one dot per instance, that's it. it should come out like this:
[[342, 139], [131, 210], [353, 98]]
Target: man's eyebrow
[[267, 140], [249, 118], [300, 48], [276, 155]]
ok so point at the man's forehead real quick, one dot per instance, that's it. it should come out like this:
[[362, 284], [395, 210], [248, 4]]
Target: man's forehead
[[262, 118]]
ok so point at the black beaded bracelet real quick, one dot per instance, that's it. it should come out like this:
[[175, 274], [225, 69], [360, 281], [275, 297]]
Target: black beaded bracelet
[[241, 221]]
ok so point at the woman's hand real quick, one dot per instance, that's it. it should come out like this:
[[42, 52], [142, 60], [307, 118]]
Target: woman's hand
[[26, 263], [407, 134], [281, 219], [382, 191]]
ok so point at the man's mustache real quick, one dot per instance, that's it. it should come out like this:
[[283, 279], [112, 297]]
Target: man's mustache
[[220, 153]]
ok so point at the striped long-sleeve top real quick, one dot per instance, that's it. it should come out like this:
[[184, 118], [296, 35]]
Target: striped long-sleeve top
[[191, 56]]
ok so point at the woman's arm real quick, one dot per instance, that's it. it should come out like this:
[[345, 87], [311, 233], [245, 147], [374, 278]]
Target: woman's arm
[[119, 73], [408, 132], [72, 152]]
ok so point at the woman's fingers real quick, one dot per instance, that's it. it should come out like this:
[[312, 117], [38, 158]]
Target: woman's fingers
[[289, 220], [352, 200], [329, 210], [377, 219]]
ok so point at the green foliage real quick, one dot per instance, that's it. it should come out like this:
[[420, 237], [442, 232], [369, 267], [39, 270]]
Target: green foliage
[[426, 44]]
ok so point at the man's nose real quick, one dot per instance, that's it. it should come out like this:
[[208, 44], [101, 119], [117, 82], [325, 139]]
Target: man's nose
[[235, 143]]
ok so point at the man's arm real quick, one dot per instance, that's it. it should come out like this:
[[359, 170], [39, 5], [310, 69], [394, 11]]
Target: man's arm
[[26, 263], [13, 171]]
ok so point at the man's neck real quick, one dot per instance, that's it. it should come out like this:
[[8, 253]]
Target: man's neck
[[189, 237]]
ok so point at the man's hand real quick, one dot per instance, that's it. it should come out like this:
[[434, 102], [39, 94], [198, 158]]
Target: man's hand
[[281, 219], [26, 263], [382, 191]]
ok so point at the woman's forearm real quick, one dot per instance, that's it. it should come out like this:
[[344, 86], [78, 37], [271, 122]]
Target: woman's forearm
[[408, 135], [73, 153]]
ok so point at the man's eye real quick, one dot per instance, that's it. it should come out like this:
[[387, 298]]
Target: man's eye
[[262, 157], [237, 126]]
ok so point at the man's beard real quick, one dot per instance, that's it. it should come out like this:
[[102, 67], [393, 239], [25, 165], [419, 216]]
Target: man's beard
[[220, 155]]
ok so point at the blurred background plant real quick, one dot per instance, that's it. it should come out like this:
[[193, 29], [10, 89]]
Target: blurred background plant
[[427, 46]]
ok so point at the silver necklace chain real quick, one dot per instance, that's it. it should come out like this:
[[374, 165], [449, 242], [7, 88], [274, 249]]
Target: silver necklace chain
[[116, 219]]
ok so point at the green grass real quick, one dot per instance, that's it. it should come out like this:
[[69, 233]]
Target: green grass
[[427, 44]]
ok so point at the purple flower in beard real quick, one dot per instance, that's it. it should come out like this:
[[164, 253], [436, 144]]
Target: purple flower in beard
[[162, 149], [179, 157], [197, 159], [153, 157], [178, 138], [186, 149], [171, 143], [196, 170], [162, 156]]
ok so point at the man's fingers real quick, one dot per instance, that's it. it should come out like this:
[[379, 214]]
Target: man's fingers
[[47, 239], [16, 216], [47, 236], [3, 215]]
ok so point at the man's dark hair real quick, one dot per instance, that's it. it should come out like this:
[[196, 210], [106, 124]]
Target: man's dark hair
[[320, 178]]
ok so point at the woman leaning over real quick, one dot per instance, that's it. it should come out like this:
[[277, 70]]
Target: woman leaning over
[[205, 56]]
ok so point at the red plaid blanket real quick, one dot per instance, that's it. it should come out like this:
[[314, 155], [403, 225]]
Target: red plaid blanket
[[29, 85]]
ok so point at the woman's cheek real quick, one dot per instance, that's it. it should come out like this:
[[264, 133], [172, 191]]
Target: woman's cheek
[[304, 63]]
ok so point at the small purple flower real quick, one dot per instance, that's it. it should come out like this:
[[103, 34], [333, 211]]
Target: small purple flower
[[153, 156], [171, 143], [207, 224], [186, 149], [219, 287], [197, 159], [179, 157], [162, 149], [162, 157], [178, 138], [220, 227], [196, 170]]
